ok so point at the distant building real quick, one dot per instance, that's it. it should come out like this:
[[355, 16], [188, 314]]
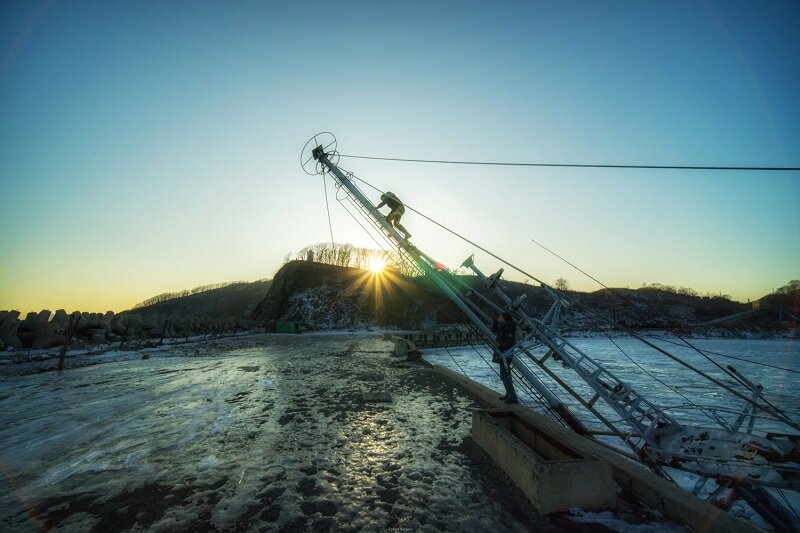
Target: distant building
[[287, 326]]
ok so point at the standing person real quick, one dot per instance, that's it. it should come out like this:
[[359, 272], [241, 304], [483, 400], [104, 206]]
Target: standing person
[[505, 330], [397, 210]]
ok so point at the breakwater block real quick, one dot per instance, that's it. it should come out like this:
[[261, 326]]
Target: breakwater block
[[554, 476], [403, 346]]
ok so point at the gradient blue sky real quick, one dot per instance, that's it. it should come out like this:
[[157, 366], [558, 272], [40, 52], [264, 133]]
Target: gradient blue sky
[[154, 146]]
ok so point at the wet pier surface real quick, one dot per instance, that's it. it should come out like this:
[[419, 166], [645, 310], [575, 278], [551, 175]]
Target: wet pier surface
[[262, 433]]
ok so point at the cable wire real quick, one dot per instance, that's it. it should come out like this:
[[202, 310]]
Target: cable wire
[[787, 502], [774, 410], [327, 207], [742, 359], [676, 391], [456, 362], [613, 291], [638, 308], [574, 165]]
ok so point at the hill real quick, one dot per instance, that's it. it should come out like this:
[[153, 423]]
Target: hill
[[229, 301], [323, 296]]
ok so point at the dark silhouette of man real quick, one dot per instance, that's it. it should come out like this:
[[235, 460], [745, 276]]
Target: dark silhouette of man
[[505, 331], [397, 209]]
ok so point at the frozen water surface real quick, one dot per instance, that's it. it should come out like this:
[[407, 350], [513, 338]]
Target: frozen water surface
[[258, 433], [662, 380]]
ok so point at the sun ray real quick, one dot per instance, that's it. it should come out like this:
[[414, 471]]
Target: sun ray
[[377, 264]]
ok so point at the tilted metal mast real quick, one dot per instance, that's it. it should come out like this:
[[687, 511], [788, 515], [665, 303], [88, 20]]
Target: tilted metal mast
[[428, 266], [735, 458]]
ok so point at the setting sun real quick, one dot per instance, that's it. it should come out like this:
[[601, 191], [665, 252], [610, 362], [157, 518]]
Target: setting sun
[[376, 265]]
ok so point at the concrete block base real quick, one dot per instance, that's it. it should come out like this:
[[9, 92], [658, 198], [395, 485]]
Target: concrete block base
[[632, 477], [552, 475]]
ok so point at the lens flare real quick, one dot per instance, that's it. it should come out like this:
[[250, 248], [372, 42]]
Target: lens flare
[[376, 265]]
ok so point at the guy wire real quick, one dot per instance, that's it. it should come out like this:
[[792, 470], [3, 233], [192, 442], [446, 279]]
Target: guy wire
[[630, 332]]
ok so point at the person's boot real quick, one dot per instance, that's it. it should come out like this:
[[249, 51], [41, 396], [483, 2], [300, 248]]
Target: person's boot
[[404, 230], [511, 400]]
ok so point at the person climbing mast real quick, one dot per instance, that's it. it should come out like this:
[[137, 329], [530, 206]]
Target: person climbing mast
[[397, 209]]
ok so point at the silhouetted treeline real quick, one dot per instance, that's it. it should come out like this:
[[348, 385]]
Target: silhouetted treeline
[[172, 295], [347, 255]]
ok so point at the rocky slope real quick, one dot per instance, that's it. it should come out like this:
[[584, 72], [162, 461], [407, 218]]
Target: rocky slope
[[323, 296]]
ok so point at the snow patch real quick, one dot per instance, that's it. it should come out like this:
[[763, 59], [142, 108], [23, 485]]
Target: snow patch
[[608, 519]]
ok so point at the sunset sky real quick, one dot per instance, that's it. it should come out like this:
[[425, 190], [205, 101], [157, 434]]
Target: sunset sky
[[148, 147]]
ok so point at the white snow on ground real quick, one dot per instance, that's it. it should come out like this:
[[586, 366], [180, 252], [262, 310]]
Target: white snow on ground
[[780, 386], [607, 519], [251, 434], [199, 421]]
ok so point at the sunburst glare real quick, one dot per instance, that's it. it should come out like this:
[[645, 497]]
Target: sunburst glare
[[376, 265]]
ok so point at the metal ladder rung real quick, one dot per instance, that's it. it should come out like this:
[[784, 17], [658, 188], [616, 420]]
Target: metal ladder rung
[[593, 400]]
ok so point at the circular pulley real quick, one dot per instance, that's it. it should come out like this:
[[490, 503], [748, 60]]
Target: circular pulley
[[321, 143]]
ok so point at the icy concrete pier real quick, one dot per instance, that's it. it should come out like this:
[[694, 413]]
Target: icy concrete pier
[[636, 481]]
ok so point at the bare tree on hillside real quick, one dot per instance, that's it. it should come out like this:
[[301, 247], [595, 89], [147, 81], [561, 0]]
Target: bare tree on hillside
[[347, 255], [561, 284], [790, 287]]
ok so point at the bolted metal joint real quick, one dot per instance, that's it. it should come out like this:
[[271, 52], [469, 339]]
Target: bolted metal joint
[[491, 281], [620, 391]]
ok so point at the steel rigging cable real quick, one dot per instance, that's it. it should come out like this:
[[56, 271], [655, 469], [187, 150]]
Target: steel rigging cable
[[574, 165], [773, 409], [328, 209], [742, 359], [638, 308]]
